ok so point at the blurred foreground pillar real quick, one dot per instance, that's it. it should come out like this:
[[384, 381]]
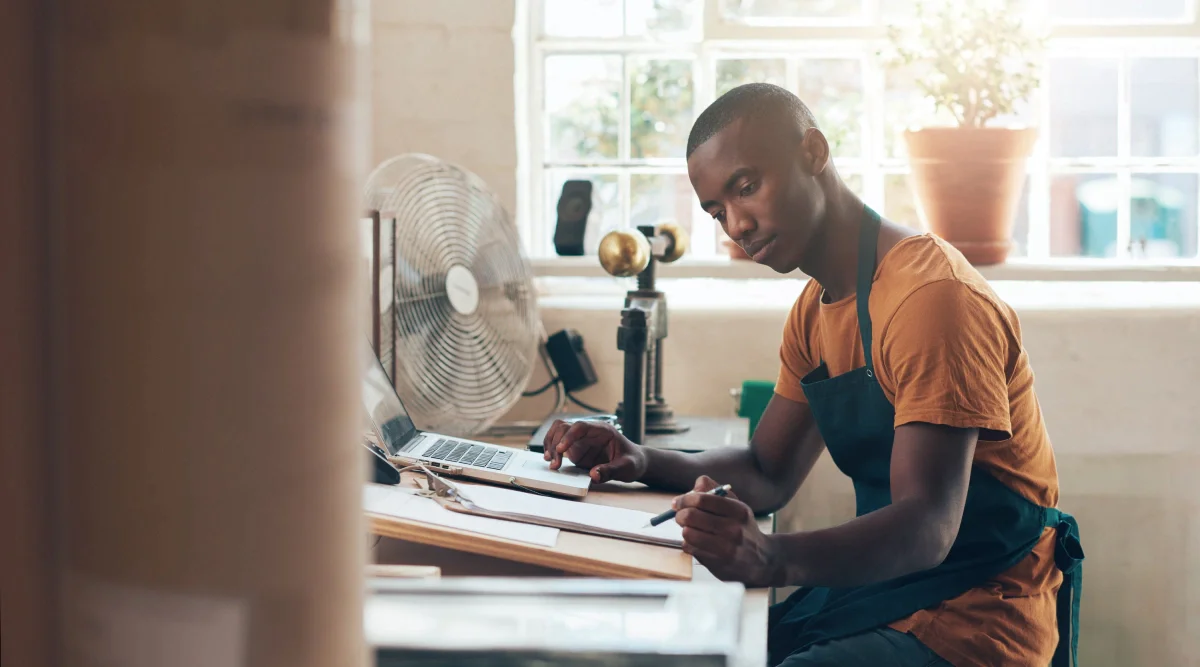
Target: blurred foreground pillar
[[202, 335], [27, 552]]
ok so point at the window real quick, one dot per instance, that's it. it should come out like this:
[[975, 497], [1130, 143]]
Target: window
[[615, 85]]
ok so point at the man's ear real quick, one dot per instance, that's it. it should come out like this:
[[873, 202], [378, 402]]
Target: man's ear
[[816, 150]]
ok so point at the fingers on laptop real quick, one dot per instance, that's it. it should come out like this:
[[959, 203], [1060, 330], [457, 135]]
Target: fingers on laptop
[[582, 442]]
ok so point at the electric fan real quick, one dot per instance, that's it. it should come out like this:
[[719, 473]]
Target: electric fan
[[461, 318]]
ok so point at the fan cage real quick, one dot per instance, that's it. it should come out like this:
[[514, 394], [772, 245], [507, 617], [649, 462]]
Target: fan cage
[[457, 372]]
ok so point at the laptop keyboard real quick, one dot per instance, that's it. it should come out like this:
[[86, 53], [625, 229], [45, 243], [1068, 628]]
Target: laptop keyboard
[[468, 454]]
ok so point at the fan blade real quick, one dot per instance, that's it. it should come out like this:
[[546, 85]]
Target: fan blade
[[405, 300]]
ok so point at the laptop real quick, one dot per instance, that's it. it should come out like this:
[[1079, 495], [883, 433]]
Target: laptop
[[405, 444]]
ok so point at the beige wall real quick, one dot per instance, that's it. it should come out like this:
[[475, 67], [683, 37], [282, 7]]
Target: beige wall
[[443, 84], [1117, 385]]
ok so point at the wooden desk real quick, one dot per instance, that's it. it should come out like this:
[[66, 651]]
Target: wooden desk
[[575, 553], [458, 553]]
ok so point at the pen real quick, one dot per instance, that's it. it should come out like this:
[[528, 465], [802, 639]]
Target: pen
[[670, 514]]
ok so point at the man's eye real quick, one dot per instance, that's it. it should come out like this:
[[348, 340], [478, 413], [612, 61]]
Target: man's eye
[[719, 216], [748, 189]]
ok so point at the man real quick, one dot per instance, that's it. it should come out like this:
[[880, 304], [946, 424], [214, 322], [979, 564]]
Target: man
[[901, 361]]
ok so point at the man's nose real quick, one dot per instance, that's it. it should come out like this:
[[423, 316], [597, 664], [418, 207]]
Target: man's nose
[[739, 225]]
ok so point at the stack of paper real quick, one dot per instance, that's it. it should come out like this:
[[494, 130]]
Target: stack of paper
[[528, 508], [404, 503]]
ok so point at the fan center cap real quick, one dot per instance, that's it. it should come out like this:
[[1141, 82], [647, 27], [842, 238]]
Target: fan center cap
[[462, 290]]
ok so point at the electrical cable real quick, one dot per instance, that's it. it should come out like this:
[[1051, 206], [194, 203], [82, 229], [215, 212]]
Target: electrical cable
[[543, 389], [583, 405]]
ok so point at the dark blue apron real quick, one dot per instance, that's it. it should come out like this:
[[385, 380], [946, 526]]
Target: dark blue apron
[[999, 527]]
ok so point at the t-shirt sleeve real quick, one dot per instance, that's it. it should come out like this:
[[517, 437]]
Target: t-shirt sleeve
[[794, 362], [945, 355]]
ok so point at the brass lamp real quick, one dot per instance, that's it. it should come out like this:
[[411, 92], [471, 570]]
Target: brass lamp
[[625, 253]]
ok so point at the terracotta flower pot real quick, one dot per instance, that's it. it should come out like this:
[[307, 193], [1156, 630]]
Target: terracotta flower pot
[[969, 181]]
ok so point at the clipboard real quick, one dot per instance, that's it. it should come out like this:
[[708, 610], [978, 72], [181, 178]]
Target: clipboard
[[569, 515]]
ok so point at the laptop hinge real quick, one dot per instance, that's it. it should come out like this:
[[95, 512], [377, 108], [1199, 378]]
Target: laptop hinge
[[411, 442]]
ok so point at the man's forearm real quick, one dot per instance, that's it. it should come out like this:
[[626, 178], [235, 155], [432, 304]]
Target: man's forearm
[[677, 471], [899, 539]]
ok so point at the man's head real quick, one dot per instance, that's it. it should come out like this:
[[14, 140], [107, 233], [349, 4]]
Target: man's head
[[760, 167]]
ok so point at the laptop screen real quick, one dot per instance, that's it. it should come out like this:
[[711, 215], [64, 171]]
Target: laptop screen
[[383, 406]]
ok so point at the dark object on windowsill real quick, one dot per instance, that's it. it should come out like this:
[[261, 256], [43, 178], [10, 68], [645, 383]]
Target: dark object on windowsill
[[574, 205]]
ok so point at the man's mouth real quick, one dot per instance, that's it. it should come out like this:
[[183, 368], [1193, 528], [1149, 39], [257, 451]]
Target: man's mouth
[[759, 250]]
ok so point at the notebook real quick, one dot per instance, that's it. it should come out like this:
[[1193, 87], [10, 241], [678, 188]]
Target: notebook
[[522, 507]]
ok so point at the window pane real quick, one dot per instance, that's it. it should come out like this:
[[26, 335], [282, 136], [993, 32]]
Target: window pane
[[854, 182], [1164, 98], [793, 8], [661, 98], [1020, 233], [905, 106], [1083, 107], [1083, 215], [663, 17], [604, 216], [899, 204], [724, 243], [903, 10], [898, 10], [1163, 215], [733, 73], [583, 97], [662, 198], [583, 18], [1115, 10], [833, 90]]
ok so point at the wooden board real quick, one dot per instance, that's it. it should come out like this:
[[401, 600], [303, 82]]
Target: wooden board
[[403, 571], [575, 553]]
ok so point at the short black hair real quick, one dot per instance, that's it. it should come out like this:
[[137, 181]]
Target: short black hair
[[744, 100]]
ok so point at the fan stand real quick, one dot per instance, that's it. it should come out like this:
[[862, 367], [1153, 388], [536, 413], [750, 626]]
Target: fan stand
[[524, 428]]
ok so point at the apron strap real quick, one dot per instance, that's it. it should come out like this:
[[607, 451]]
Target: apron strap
[[1068, 557], [868, 241]]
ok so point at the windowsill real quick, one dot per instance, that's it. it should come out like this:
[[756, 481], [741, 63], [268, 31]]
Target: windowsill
[[1064, 270], [579, 283]]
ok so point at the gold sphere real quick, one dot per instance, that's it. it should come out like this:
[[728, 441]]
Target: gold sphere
[[624, 252], [679, 241]]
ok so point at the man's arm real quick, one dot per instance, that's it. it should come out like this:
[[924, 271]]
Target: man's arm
[[765, 475], [930, 471]]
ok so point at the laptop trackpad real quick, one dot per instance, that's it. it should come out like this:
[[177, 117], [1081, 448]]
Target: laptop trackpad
[[535, 467]]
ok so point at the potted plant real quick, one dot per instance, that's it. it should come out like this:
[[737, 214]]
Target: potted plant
[[977, 60]]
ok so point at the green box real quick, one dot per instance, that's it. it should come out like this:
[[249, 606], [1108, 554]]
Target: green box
[[753, 401]]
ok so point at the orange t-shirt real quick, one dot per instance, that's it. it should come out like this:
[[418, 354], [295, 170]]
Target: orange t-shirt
[[948, 351]]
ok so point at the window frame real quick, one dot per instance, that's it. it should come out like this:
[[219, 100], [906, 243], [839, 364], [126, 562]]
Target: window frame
[[723, 36]]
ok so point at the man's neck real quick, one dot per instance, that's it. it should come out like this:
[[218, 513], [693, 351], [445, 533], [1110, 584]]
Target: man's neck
[[832, 260]]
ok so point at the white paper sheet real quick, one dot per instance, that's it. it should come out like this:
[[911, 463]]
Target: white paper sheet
[[404, 503], [611, 519]]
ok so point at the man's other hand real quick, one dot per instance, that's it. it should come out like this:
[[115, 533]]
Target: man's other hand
[[597, 447]]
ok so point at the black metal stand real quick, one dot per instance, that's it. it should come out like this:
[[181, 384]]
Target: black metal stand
[[632, 337], [641, 334]]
